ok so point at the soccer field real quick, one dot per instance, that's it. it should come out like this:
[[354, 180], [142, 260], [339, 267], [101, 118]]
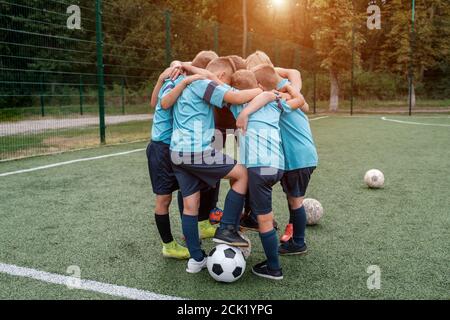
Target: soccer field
[[97, 214]]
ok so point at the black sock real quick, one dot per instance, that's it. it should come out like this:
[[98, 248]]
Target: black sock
[[163, 224], [291, 215], [180, 203], [207, 203], [299, 225]]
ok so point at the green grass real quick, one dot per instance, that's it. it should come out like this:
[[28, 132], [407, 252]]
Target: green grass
[[98, 215]]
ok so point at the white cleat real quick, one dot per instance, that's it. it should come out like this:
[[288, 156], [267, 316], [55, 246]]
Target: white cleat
[[194, 266]]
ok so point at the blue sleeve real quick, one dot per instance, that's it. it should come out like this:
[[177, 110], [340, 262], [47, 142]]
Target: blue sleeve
[[285, 106], [236, 110], [210, 91], [169, 85]]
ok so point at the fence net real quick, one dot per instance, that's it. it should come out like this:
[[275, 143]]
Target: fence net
[[49, 71]]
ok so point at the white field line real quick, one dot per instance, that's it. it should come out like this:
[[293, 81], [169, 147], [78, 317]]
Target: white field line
[[319, 118], [59, 164], [416, 123], [87, 285]]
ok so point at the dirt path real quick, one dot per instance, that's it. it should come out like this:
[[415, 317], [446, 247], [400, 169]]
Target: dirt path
[[27, 126]]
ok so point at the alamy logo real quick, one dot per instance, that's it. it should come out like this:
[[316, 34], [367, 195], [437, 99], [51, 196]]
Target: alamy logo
[[374, 18], [74, 20], [374, 280], [74, 282]]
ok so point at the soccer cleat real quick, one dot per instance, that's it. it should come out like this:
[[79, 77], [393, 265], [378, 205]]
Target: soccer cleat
[[229, 236], [262, 270], [290, 248], [215, 215], [249, 223], [206, 229], [288, 233], [195, 266], [174, 250]]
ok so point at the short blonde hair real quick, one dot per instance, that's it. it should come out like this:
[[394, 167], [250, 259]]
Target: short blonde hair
[[203, 58], [258, 58], [239, 62], [244, 79], [222, 64], [266, 76]]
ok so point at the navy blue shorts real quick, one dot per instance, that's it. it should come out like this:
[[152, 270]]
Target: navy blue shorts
[[260, 183], [295, 182], [197, 171], [162, 176]]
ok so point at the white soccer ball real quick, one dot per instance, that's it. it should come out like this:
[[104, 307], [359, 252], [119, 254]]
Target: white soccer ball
[[246, 251], [374, 179], [225, 263], [314, 211]]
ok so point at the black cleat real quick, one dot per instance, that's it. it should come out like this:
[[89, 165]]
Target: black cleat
[[261, 270], [229, 236], [290, 248], [249, 222]]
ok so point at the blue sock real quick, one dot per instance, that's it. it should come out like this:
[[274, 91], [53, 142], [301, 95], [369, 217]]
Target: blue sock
[[190, 231], [299, 221], [269, 241], [234, 203]]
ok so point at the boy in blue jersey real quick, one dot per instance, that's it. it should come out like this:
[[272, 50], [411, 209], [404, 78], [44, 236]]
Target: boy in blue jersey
[[158, 155], [262, 154], [197, 165], [301, 160]]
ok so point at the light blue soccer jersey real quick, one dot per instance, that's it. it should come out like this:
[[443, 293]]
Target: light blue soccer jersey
[[261, 146], [193, 116], [163, 118], [298, 143]]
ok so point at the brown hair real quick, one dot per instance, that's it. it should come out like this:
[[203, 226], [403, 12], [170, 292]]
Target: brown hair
[[266, 76], [258, 58], [239, 62], [244, 79], [203, 58]]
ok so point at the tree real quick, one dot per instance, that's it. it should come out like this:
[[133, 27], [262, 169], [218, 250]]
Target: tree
[[333, 40], [421, 50]]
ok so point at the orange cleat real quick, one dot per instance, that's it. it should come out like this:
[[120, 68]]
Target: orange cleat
[[288, 233]]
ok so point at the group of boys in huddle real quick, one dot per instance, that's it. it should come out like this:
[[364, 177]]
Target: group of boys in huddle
[[197, 105]]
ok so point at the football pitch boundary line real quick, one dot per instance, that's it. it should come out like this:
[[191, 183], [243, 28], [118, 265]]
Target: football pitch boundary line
[[416, 123], [81, 284], [59, 164]]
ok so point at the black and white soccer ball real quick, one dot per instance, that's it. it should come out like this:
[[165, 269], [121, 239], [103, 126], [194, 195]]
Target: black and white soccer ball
[[225, 263]]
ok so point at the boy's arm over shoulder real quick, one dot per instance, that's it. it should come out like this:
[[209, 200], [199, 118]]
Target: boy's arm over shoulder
[[257, 103], [171, 96], [294, 77], [242, 96], [297, 101]]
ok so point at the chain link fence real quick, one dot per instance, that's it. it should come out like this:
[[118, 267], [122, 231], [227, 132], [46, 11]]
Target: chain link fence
[[78, 74]]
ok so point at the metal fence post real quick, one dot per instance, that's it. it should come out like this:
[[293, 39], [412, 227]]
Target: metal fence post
[[353, 71], [122, 91], [216, 38], [168, 42], [411, 56], [100, 70], [315, 91], [42, 96], [81, 95], [277, 52]]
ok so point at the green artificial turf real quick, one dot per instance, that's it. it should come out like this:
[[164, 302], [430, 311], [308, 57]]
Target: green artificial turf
[[99, 215]]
